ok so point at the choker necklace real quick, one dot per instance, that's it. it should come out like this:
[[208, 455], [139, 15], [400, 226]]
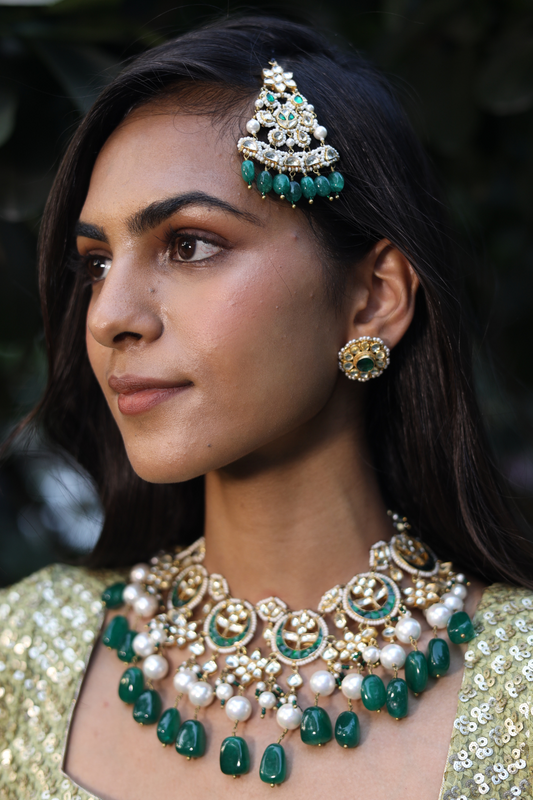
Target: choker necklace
[[356, 627]]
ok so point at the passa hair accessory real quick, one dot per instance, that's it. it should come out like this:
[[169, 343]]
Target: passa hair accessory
[[364, 358], [288, 125], [359, 631]]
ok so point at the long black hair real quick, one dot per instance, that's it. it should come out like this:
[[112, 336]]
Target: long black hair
[[423, 423]]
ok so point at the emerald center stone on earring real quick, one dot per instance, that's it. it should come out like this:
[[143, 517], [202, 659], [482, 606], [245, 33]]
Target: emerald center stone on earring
[[365, 364]]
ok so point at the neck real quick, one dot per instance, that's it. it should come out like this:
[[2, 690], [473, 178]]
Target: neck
[[295, 526]]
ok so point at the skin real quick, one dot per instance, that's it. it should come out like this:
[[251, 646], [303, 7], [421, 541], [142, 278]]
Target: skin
[[250, 335]]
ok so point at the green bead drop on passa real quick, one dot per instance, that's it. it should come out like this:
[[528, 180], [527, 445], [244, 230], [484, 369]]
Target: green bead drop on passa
[[416, 671], [397, 698], [147, 708], [168, 726], [112, 596], [460, 628], [264, 182], [273, 768], [347, 729], [323, 186], [315, 728], [373, 693], [248, 171], [295, 192], [234, 756], [308, 187], [126, 652], [281, 185], [131, 685], [336, 181], [115, 632], [438, 657], [191, 739]]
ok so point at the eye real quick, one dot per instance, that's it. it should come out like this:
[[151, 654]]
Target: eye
[[97, 267], [191, 248]]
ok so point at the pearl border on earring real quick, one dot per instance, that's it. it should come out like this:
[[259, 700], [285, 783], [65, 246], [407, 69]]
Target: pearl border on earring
[[369, 349]]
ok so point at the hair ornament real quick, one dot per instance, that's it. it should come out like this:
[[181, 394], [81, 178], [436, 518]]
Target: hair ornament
[[289, 125]]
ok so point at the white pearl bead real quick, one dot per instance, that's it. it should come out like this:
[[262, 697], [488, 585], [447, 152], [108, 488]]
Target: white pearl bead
[[201, 694], [158, 636], [351, 686], [459, 591], [184, 679], [238, 709], [407, 628], [155, 667], [322, 682], [143, 645], [253, 126], [438, 615], [146, 605], [320, 132], [452, 602], [371, 654], [224, 691], [261, 685], [289, 717], [460, 578], [267, 700], [139, 573], [132, 592], [392, 655]]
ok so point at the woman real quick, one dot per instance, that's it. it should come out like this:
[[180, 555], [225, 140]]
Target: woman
[[195, 331]]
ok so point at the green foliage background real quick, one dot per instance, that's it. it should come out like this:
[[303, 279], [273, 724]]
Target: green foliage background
[[464, 69]]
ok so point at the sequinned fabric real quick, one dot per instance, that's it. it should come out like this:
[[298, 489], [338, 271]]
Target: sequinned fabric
[[50, 622]]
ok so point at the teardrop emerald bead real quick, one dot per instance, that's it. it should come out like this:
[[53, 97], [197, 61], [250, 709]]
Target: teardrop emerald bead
[[264, 182], [460, 628], [323, 186], [147, 708], [191, 739], [131, 685], [315, 728], [115, 632], [295, 192], [308, 187], [273, 769], [397, 698], [168, 726], [234, 756], [438, 657], [373, 693], [248, 171], [112, 596], [336, 181], [126, 652], [347, 729], [416, 671], [281, 185]]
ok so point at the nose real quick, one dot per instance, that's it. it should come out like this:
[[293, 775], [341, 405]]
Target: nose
[[122, 311]]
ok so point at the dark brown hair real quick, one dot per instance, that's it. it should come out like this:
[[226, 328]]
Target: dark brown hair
[[424, 425]]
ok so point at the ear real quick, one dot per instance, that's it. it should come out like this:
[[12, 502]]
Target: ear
[[380, 295]]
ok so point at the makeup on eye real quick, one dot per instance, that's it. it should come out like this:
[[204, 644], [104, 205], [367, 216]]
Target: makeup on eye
[[192, 247]]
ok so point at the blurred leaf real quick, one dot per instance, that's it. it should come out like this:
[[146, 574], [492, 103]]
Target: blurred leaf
[[22, 193], [8, 110], [505, 85]]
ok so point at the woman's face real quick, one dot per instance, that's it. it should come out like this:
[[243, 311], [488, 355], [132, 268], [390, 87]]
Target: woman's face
[[209, 329]]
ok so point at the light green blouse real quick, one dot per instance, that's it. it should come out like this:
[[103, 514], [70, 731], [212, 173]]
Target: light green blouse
[[50, 622]]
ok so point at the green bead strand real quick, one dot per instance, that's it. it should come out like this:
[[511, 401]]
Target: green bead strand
[[416, 671], [115, 632], [460, 628], [397, 698], [191, 739], [264, 182], [273, 769], [373, 693], [126, 652], [336, 181], [168, 726], [147, 708], [308, 188], [347, 729], [315, 728], [438, 657], [112, 596], [131, 685], [323, 186], [248, 171], [234, 756], [281, 185], [295, 192]]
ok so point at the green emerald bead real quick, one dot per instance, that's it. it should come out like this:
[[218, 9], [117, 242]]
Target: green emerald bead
[[147, 708], [416, 671], [347, 730], [191, 739], [308, 187], [373, 692], [315, 727], [438, 658], [295, 192], [126, 652], [336, 181], [273, 769], [115, 632], [365, 364], [323, 186], [169, 725], [234, 756], [264, 182], [131, 685], [281, 185], [460, 628], [248, 171], [112, 596], [397, 698]]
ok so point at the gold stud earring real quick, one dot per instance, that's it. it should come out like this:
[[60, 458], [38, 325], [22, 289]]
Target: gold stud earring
[[364, 358]]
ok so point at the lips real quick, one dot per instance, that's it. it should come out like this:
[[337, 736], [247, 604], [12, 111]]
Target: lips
[[137, 394]]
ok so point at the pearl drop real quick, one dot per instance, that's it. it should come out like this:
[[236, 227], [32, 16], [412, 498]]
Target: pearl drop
[[252, 126], [132, 592], [224, 691], [392, 655], [155, 667], [322, 682], [158, 636], [261, 685], [351, 686], [407, 628], [143, 645], [452, 602], [460, 578], [146, 605], [184, 679], [267, 700], [238, 709], [289, 717], [459, 591], [371, 654], [139, 573], [438, 615], [201, 694], [320, 132]]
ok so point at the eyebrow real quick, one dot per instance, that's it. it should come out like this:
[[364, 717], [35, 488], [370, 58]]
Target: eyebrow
[[154, 214]]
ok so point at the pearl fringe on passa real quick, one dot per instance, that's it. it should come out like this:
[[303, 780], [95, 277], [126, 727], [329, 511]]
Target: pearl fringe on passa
[[357, 627]]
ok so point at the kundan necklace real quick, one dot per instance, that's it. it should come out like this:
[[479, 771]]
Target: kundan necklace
[[183, 606]]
